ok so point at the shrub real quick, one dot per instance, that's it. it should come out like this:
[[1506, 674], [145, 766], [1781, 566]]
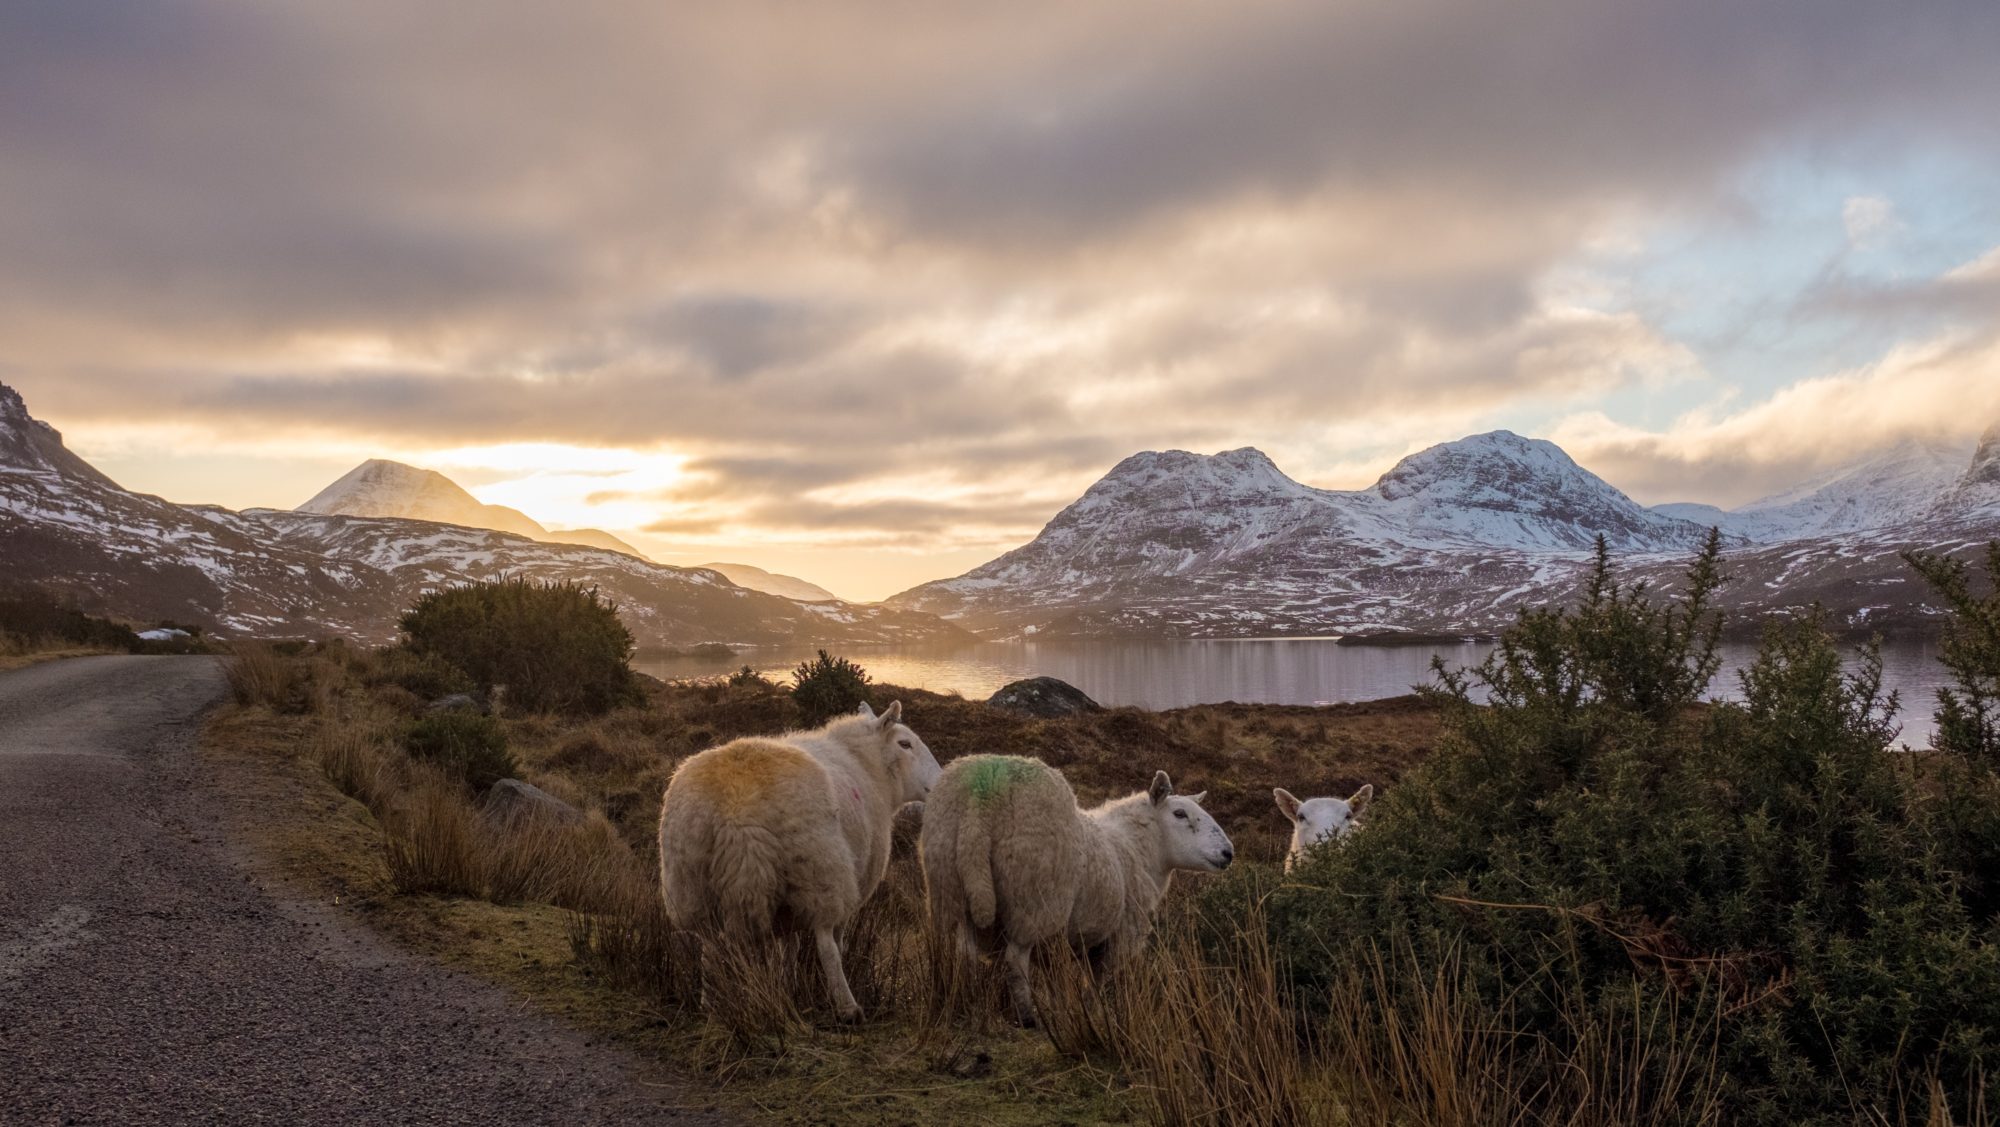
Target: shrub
[[1968, 719], [1592, 848], [1965, 818], [36, 619], [827, 687], [464, 745], [426, 675], [748, 678], [555, 647]]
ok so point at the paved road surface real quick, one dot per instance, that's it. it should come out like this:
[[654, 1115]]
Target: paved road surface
[[145, 977]]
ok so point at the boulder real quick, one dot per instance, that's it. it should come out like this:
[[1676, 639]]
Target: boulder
[[459, 702], [511, 801], [1043, 697]]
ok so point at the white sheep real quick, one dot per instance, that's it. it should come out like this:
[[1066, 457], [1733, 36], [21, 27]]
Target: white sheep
[[794, 828], [1011, 862], [1319, 820]]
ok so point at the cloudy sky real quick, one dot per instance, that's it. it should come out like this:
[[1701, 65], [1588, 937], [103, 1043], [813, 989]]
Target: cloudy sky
[[866, 292]]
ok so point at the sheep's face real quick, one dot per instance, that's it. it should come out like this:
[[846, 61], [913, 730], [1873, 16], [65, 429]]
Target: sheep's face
[[1317, 821], [918, 767], [911, 763], [1189, 838]]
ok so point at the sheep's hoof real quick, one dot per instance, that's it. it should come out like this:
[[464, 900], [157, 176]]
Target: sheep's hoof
[[850, 1017], [1027, 1021]]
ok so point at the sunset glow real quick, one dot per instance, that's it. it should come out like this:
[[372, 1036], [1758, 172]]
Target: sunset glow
[[870, 292]]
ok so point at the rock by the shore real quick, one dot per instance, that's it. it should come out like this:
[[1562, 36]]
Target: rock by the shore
[[459, 702], [1043, 697], [511, 800]]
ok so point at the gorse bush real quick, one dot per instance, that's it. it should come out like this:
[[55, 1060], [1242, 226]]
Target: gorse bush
[[748, 678], [36, 619], [464, 745], [827, 687], [1593, 846], [1968, 715], [428, 676], [1965, 813], [555, 647]]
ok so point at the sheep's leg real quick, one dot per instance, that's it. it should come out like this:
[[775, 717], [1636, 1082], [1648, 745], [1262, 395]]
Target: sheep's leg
[[836, 976], [1018, 984], [968, 947]]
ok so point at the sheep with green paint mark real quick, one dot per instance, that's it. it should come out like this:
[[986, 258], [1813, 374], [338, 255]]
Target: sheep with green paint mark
[[1010, 862]]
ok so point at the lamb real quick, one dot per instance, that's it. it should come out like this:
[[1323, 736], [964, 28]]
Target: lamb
[[760, 836], [1318, 820], [1011, 862]]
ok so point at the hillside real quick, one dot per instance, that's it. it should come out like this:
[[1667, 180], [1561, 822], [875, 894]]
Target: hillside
[[68, 528], [757, 579], [1453, 539], [381, 488]]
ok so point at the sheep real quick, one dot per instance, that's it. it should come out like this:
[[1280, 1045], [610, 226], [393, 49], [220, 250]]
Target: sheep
[[760, 836], [1010, 861], [1318, 820]]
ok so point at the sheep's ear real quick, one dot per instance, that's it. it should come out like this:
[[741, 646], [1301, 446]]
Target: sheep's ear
[[865, 712], [1360, 798], [1196, 797], [891, 715], [1161, 788], [1288, 805]]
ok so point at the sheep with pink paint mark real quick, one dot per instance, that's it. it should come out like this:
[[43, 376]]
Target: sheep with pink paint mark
[[793, 831]]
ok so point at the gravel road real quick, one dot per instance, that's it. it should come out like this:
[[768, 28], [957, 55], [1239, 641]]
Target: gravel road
[[146, 977]]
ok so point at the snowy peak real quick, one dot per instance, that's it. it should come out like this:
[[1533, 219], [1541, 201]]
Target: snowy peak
[[1985, 468], [1500, 489], [1879, 490], [1977, 491], [31, 445], [1246, 472], [381, 488], [1500, 461]]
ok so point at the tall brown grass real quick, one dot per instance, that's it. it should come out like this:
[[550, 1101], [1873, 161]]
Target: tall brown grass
[[1199, 1028], [260, 675]]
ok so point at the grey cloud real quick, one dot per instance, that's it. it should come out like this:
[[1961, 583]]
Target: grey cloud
[[1548, 104], [779, 252], [737, 334]]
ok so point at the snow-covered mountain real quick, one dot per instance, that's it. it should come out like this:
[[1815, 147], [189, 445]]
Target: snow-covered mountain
[[1452, 539], [1975, 496], [1174, 542], [595, 538], [382, 488], [757, 579], [1881, 490], [275, 573]]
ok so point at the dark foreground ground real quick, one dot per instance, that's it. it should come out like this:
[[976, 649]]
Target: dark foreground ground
[[147, 976]]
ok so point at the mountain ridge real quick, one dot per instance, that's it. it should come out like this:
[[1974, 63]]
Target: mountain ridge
[[380, 487], [273, 573], [1453, 538]]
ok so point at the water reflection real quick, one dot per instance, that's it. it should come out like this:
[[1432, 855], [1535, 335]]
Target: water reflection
[[1176, 673]]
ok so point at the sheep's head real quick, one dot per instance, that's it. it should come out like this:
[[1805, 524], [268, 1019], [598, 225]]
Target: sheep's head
[[910, 761], [1189, 838], [1319, 820]]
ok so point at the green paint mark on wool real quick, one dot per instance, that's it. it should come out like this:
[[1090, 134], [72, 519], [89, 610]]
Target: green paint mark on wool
[[994, 775]]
